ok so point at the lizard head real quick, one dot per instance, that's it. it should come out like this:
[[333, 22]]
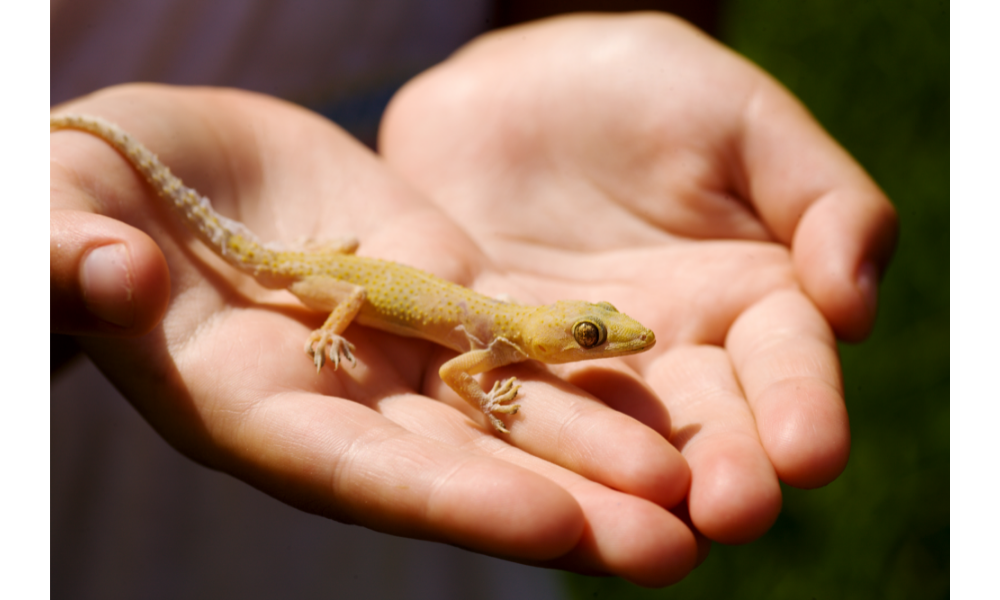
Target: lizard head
[[572, 330]]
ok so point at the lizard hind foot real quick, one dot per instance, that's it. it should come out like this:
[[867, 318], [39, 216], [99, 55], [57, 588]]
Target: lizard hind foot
[[322, 344]]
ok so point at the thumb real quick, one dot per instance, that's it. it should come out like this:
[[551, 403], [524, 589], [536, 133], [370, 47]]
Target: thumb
[[106, 278], [842, 245]]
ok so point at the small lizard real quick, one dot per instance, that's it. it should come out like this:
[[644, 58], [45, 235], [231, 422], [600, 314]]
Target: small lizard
[[486, 332]]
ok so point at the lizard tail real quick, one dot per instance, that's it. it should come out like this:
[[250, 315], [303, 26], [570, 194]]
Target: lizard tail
[[229, 238]]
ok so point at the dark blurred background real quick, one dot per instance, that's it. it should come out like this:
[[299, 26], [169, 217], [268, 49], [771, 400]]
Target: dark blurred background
[[875, 73]]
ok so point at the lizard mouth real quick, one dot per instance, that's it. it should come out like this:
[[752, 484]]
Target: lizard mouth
[[640, 343]]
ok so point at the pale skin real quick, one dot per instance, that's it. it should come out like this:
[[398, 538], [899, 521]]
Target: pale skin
[[744, 376], [743, 228], [488, 333]]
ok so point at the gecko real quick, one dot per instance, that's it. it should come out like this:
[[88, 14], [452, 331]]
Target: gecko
[[487, 333]]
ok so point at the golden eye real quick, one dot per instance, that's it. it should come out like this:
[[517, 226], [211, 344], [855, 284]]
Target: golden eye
[[589, 334], [608, 306]]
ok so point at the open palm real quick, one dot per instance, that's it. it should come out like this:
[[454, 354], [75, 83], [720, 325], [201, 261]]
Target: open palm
[[224, 379], [632, 159]]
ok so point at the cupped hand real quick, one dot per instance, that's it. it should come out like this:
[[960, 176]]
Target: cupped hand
[[632, 159], [215, 363]]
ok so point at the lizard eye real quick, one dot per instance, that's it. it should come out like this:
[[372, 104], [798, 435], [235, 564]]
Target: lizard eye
[[589, 334], [608, 306]]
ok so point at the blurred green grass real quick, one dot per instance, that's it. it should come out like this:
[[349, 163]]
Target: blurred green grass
[[875, 73]]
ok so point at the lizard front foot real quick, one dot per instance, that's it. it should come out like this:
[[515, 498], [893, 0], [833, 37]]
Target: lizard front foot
[[322, 343], [494, 402]]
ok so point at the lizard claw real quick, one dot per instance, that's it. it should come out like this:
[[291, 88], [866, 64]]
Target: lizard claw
[[498, 424], [504, 392], [322, 344], [495, 400]]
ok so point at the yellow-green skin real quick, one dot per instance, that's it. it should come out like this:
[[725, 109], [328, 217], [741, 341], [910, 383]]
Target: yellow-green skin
[[488, 333]]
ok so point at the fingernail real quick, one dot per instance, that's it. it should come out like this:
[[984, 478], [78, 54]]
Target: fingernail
[[868, 286], [106, 279]]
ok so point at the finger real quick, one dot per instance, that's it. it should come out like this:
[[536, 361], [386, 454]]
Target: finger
[[563, 425], [735, 496], [105, 277], [841, 248], [786, 359], [817, 199], [623, 535], [340, 459], [683, 513], [331, 456]]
